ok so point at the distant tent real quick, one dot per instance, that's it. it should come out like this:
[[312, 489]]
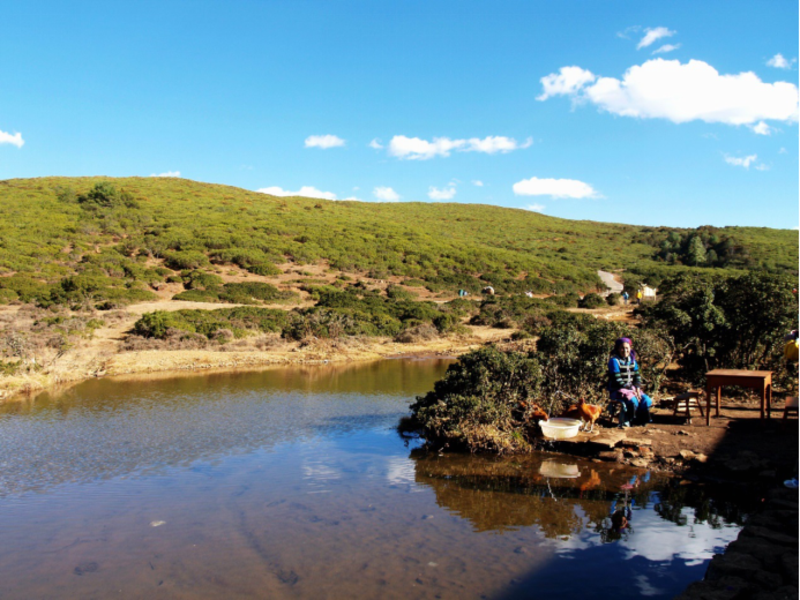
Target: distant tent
[[648, 292]]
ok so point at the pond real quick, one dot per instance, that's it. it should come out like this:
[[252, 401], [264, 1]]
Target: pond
[[293, 483]]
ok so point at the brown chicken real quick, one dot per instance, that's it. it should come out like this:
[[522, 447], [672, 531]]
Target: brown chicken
[[532, 413], [588, 413]]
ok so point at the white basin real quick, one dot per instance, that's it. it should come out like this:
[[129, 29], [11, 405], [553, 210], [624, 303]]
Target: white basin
[[559, 428]]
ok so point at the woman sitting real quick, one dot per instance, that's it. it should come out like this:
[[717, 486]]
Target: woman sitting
[[625, 385]]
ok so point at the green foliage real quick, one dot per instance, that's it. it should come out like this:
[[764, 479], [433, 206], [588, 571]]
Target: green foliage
[[249, 292], [592, 300], [396, 292], [200, 280], [208, 322], [736, 322], [185, 260], [26, 289], [103, 195], [477, 403], [59, 227], [614, 299], [575, 355]]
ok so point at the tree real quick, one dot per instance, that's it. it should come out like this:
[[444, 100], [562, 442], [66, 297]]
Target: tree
[[696, 252]]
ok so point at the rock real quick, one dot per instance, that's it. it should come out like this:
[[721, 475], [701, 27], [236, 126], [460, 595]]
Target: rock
[[682, 432], [770, 536], [640, 462], [733, 564], [700, 457], [789, 567], [630, 454], [610, 456], [686, 454]]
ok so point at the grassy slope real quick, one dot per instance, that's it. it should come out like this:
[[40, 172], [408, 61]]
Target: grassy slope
[[47, 237]]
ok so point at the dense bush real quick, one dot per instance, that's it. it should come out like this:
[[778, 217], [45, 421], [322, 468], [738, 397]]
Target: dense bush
[[477, 404], [592, 300], [239, 320], [735, 322]]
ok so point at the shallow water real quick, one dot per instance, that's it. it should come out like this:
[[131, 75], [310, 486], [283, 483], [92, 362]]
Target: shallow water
[[292, 483]]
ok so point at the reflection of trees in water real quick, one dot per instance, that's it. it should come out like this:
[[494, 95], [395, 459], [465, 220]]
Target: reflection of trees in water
[[713, 505], [501, 494]]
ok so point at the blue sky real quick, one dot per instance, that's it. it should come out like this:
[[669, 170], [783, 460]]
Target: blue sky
[[652, 113]]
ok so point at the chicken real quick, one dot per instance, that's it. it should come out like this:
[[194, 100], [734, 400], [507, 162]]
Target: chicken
[[532, 413], [588, 413]]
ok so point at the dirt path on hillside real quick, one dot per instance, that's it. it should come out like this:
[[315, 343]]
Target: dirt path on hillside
[[612, 282]]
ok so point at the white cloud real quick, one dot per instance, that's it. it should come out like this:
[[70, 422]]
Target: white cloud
[[14, 140], [557, 188], [418, 149], [443, 194], [386, 194], [779, 62], [535, 207], [477, 183], [568, 81], [376, 143], [496, 143], [761, 128], [666, 48], [652, 35], [306, 191], [762, 167], [667, 89], [167, 174], [323, 141], [741, 162], [625, 34]]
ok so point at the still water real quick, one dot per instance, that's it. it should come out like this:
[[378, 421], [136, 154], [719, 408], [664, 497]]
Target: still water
[[293, 483]]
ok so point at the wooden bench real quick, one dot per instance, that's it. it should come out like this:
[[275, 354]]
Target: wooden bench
[[790, 407]]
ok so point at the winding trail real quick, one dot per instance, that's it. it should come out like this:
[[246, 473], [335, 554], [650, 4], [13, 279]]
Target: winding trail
[[610, 280]]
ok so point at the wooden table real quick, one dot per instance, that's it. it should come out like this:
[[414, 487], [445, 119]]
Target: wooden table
[[760, 380]]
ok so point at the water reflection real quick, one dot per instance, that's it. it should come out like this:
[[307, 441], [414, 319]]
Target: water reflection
[[293, 483], [561, 496], [108, 428]]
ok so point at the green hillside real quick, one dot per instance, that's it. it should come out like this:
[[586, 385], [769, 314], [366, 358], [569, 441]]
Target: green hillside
[[115, 236]]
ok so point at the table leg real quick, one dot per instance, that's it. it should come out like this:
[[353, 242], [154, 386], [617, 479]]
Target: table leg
[[708, 406], [719, 397], [769, 400]]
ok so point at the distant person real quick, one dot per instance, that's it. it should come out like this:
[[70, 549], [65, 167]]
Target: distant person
[[639, 296], [625, 297], [625, 385]]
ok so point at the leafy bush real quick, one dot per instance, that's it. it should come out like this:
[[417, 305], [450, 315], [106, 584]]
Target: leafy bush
[[592, 300], [185, 260], [476, 405], [734, 322], [395, 292], [239, 320]]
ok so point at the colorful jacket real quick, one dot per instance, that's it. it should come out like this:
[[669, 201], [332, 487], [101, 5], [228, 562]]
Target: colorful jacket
[[623, 373]]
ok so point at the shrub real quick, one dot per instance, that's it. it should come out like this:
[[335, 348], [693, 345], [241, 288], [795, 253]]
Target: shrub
[[418, 333], [733, 322], [200, 280], [592, 300], [613, 299], [185, 259], [476, 405], [395, 292]]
